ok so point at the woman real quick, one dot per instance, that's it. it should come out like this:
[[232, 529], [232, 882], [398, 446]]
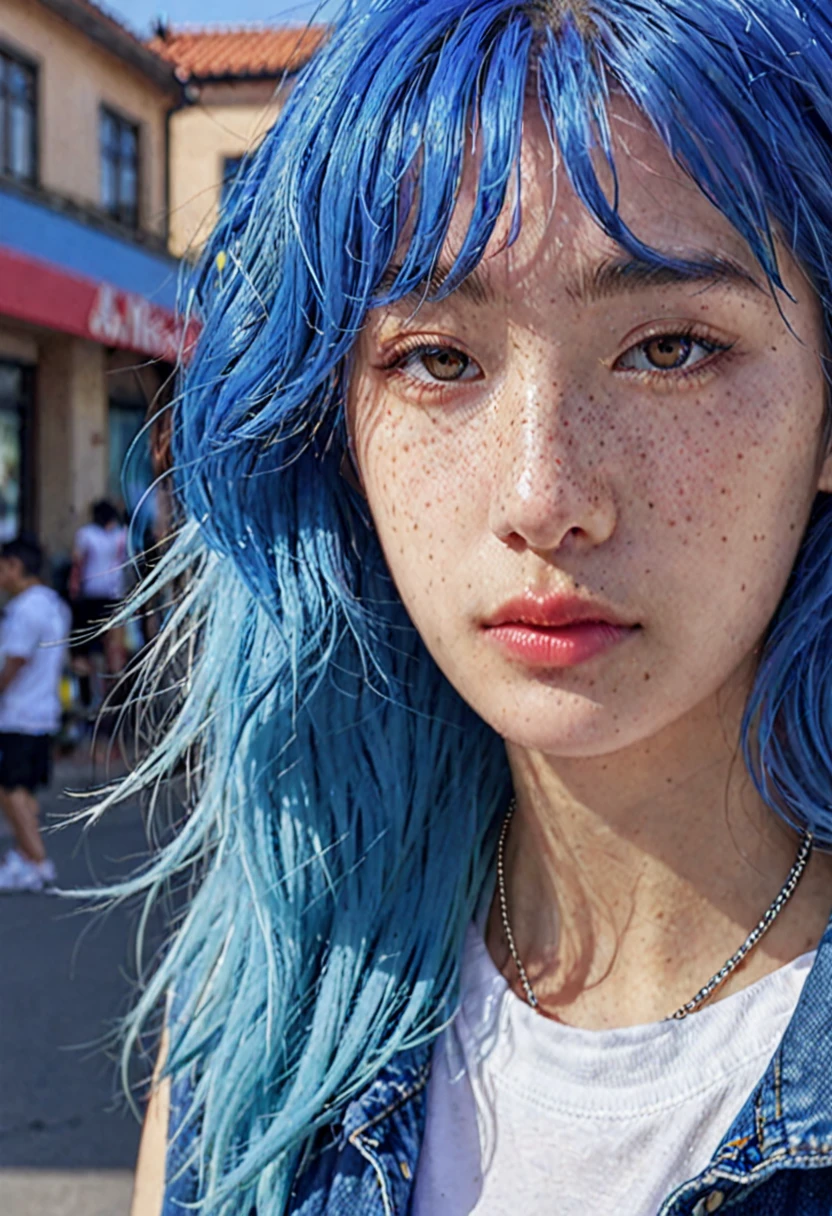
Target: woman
[[96, 588], [503, 469]]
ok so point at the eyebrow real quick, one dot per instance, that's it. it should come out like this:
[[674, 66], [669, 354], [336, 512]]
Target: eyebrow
[[614, 277], [477, 287], [626, 275]]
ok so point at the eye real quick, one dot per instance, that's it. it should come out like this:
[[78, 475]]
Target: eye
[[668, 353], [438, 365]]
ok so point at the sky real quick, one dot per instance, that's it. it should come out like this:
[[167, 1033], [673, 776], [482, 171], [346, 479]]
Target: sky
[[139, 14]]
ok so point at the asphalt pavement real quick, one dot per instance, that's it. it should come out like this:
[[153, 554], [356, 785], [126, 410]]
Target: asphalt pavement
[[68, 1140]]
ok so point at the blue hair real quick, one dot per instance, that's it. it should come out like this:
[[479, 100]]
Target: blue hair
[[342, 799]]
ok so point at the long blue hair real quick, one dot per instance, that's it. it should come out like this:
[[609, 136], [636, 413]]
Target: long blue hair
[[341, 798]]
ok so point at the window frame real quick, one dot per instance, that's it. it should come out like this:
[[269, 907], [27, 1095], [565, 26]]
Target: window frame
[[130, 219], [13, 56]]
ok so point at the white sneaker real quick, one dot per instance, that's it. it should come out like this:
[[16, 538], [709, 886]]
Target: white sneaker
[[18, 873]]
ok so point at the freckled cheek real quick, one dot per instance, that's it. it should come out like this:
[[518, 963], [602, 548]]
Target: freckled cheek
[[727, 504], [711, 462], [418, 474]]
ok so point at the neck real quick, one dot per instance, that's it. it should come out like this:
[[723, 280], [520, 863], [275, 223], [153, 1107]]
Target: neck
[[632, 877], [24, 584]]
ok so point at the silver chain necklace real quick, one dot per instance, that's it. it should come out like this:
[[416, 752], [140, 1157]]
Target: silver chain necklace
[[719, 977]]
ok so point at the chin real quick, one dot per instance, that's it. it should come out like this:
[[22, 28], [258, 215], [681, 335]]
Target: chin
[[562, 724], [567, 724]]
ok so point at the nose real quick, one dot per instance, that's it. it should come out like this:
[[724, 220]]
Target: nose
[[550, 489]]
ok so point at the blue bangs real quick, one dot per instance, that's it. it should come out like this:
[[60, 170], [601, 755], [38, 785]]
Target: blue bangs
[[342, 800]]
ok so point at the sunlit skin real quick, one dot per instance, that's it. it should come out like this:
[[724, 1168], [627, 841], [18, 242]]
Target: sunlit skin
[[651, 446]]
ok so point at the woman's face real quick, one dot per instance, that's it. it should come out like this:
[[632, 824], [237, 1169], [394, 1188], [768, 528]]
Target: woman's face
[[590, 479]]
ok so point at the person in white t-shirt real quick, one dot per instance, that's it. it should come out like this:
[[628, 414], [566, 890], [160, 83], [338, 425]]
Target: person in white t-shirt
[[33, 641], [96, 588]]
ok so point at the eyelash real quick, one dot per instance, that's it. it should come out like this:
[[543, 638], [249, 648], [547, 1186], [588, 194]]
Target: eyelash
[[689, 333], [418, 346], [692, 333]]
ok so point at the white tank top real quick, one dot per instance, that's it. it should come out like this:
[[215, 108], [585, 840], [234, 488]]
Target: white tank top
[[527, 1115]]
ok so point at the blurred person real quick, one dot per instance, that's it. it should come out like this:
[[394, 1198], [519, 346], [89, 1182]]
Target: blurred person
[[33, 643], [96, 588]]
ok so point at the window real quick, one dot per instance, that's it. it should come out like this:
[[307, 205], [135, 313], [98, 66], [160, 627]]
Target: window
[[120, 168], [18, 118], [230, 169], [16, 404], [127, 477]]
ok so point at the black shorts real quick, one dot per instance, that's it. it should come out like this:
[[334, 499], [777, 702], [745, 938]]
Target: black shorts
[[25, 760], [88, 616]]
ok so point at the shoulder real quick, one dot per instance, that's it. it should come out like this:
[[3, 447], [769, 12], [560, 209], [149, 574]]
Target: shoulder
[[26, 605], [363, 1164], [85, 537], [42, 601]]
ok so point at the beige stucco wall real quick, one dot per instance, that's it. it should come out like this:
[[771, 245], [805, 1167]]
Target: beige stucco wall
[[71, 445], [75, 78], [224, 120]]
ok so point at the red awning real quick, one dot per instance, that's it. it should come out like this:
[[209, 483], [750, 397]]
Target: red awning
[[44, 295]]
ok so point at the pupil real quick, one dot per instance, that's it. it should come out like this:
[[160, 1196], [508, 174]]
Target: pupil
[[445, 364], [668, 352]]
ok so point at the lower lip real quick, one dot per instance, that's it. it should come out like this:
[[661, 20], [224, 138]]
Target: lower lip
[[558, 646]]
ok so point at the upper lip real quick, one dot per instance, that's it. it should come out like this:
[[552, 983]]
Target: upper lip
[[554, 611]]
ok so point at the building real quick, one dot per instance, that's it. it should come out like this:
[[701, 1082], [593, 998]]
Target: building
[[87, 286], [235, 81]]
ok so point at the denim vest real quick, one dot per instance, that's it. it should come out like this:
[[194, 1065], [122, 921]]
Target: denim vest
[[775, 1159]]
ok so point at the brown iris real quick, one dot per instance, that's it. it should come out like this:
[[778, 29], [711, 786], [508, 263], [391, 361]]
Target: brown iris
[[668, 350], [444, 363]]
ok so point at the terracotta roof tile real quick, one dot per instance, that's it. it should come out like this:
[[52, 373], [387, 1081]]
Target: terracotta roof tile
[[211, 54]]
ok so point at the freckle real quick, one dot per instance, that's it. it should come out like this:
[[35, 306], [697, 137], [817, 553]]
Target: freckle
[[647, 675]]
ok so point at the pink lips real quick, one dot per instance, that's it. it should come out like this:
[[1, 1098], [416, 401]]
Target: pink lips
[[557, 631]]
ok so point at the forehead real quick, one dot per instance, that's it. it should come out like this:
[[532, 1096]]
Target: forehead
[[658, 202]]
